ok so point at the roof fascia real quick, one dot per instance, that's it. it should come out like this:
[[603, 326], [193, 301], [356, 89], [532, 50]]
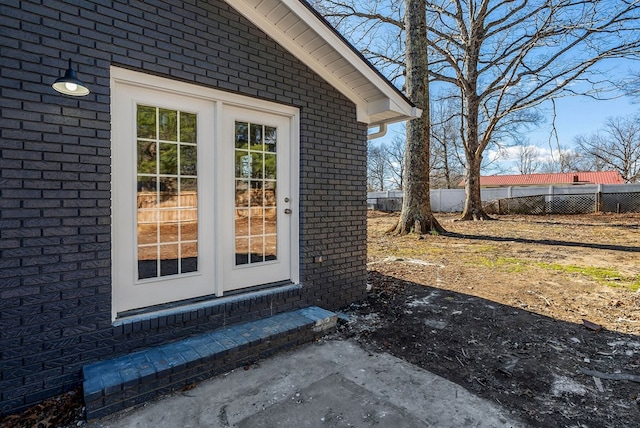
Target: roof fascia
[[390, 96]]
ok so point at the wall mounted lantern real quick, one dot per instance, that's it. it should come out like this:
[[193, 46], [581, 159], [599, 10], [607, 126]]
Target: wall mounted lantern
[[69, 84]]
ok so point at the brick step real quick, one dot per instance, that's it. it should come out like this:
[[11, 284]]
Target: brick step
[[113, 385]]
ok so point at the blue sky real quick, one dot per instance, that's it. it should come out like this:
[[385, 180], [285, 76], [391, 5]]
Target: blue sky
[[574, 116], [580, 116]]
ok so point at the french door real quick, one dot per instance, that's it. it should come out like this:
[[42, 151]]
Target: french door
[[162, 228], [202, 194], [257, 203]]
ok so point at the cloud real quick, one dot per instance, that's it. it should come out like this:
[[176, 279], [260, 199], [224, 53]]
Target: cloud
[[506, 160]]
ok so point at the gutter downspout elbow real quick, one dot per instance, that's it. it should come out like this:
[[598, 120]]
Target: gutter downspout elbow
[[382, 131]]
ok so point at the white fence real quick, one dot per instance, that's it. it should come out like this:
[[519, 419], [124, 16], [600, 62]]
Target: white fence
[[452, 200]]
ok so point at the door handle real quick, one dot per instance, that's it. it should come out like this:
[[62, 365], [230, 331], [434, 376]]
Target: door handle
[[287, 211]]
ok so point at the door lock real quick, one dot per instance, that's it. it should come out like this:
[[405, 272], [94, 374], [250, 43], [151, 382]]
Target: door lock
[[287, 211]]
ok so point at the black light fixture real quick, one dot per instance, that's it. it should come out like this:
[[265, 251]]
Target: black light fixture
[[69, 84]]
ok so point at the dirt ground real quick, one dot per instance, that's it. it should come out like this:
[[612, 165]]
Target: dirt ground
[[65, 410], [539, 314]]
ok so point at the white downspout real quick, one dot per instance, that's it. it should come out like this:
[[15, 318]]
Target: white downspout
[[382, 130]]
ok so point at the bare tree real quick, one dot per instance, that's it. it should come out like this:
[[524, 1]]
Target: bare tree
[[447, 160], [416, 215], [511, 56], [528, 159], [396, 42], [616, 147], [569, 160], [506, 57], [377, 170], [394, 153]]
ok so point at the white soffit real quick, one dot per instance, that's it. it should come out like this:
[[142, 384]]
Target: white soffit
[[301, 32]]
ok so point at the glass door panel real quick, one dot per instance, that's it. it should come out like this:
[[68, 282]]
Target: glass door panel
[[167, 197], [255, 193], [257, 211], [158, 139]]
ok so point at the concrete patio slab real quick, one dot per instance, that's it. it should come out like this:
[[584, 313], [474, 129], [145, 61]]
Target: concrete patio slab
[[331, 383]]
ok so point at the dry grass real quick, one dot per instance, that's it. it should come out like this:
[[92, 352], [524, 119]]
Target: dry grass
[[584, 266]]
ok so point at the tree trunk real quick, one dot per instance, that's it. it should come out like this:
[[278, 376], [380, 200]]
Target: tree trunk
[[473, 199], [416, 215], [445, 167]]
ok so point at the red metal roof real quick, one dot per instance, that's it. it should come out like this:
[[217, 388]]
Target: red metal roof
[[568, 178]]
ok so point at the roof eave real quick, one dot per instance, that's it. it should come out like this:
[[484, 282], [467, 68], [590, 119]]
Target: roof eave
[[377, 101]]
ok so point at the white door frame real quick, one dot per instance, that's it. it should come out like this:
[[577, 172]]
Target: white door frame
[[241, 276], [124, 84]]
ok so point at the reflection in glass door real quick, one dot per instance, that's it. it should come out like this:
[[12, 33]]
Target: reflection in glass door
[[167, 198], [257, 217], [255, 193]]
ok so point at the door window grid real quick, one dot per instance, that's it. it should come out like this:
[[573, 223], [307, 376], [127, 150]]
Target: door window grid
[[167, 200], [255, 193]]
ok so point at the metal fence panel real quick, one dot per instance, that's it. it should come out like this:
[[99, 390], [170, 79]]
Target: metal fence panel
[[620, 202]]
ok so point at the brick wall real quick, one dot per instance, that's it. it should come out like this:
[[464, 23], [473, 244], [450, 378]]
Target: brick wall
[[55, 232]]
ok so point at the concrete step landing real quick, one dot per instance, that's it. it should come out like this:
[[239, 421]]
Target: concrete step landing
[[113, 385]]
